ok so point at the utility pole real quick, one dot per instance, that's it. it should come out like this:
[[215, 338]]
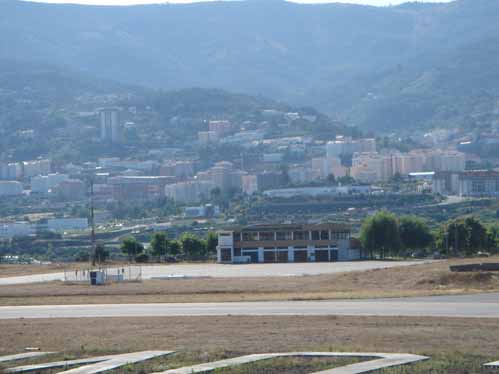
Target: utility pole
[[91, 255]]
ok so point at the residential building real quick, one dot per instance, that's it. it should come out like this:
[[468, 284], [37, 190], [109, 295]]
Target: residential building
[[347, 146], [221, 128], [207, 137], [110, 125], [446, 161], [11, 171], [223, 175], [371, 167], [139, 187], [190, 192], [469, 183], [34, 168], [42, 184], [179, 169], [207, 210], [71, 190], [322, 167], [10, 188], [249, 184], [327, 242]]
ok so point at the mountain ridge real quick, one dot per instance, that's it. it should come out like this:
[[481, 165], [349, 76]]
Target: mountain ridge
[[326, 55]]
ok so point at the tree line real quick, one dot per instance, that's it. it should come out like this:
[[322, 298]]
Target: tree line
[[161, 248], [384, 234]]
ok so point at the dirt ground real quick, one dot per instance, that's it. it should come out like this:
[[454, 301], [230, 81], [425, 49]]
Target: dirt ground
[[418, 280], [244, 335]]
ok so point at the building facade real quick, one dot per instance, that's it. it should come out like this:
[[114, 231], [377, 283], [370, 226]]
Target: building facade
[[110, 125], [468, 183], [327, 242]]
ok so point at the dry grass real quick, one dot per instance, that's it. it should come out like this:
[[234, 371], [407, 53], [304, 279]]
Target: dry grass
[[244, 335], [418, 280]]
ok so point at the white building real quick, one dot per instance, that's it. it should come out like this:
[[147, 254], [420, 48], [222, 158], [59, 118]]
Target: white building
[[189, 192], [37, 167], [287, 243], [322, 167], [249, 184], [371, 167]]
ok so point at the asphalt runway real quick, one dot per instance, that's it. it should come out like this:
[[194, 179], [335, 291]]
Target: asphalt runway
[[467, 306], [232, 271]]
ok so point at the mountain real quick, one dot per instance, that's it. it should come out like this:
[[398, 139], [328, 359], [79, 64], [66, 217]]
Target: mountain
[[57, 106], [377, 67]]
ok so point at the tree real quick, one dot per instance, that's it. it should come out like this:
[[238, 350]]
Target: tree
[[100, 254], [414, 233], [174, 248], [380, 232], [159, 245], [467, 236], [193, 247], [131, 247], [331, 179], [211, 243]]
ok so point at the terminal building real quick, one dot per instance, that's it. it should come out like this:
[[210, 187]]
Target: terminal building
[[325, 242]]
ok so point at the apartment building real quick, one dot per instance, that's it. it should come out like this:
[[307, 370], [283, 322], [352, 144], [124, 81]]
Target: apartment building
[[139, 187], [326, 242], [189, 192], [468, 183]]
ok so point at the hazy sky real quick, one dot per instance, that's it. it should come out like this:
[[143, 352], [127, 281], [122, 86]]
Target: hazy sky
[[129, 2]]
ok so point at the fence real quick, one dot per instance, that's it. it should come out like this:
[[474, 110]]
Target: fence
[[114, 274]]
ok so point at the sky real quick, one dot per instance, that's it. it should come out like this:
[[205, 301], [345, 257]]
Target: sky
[[131, 2]]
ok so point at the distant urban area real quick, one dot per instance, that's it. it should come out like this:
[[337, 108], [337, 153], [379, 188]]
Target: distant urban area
[[259, 163]]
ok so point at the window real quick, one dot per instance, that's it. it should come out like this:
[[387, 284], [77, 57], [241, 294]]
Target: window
[[237, 252], [237, 236], [316, 235], [324, 235], [225, 255], [284, 235], [267, 236], [301, 235], [249, 236]]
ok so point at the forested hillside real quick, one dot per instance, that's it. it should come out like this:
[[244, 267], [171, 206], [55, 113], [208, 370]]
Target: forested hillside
[[391, 67]]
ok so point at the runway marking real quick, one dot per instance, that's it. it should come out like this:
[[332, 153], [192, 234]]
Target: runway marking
[[378, 361], [94, 364], [23, 356]]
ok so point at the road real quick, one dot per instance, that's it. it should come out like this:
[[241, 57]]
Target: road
[[469, 306], [232, 271]]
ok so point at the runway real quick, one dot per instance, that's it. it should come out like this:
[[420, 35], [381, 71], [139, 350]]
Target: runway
[[467, 306]]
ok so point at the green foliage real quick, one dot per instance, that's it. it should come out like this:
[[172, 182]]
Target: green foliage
[[467, 236], [101, 254], [211, 243], [380, 232], [131, 248], [193, 247], [414, 233], [159, 245]]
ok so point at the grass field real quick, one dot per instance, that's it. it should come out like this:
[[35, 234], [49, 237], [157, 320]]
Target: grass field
[[417, 280], [456, 345]]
